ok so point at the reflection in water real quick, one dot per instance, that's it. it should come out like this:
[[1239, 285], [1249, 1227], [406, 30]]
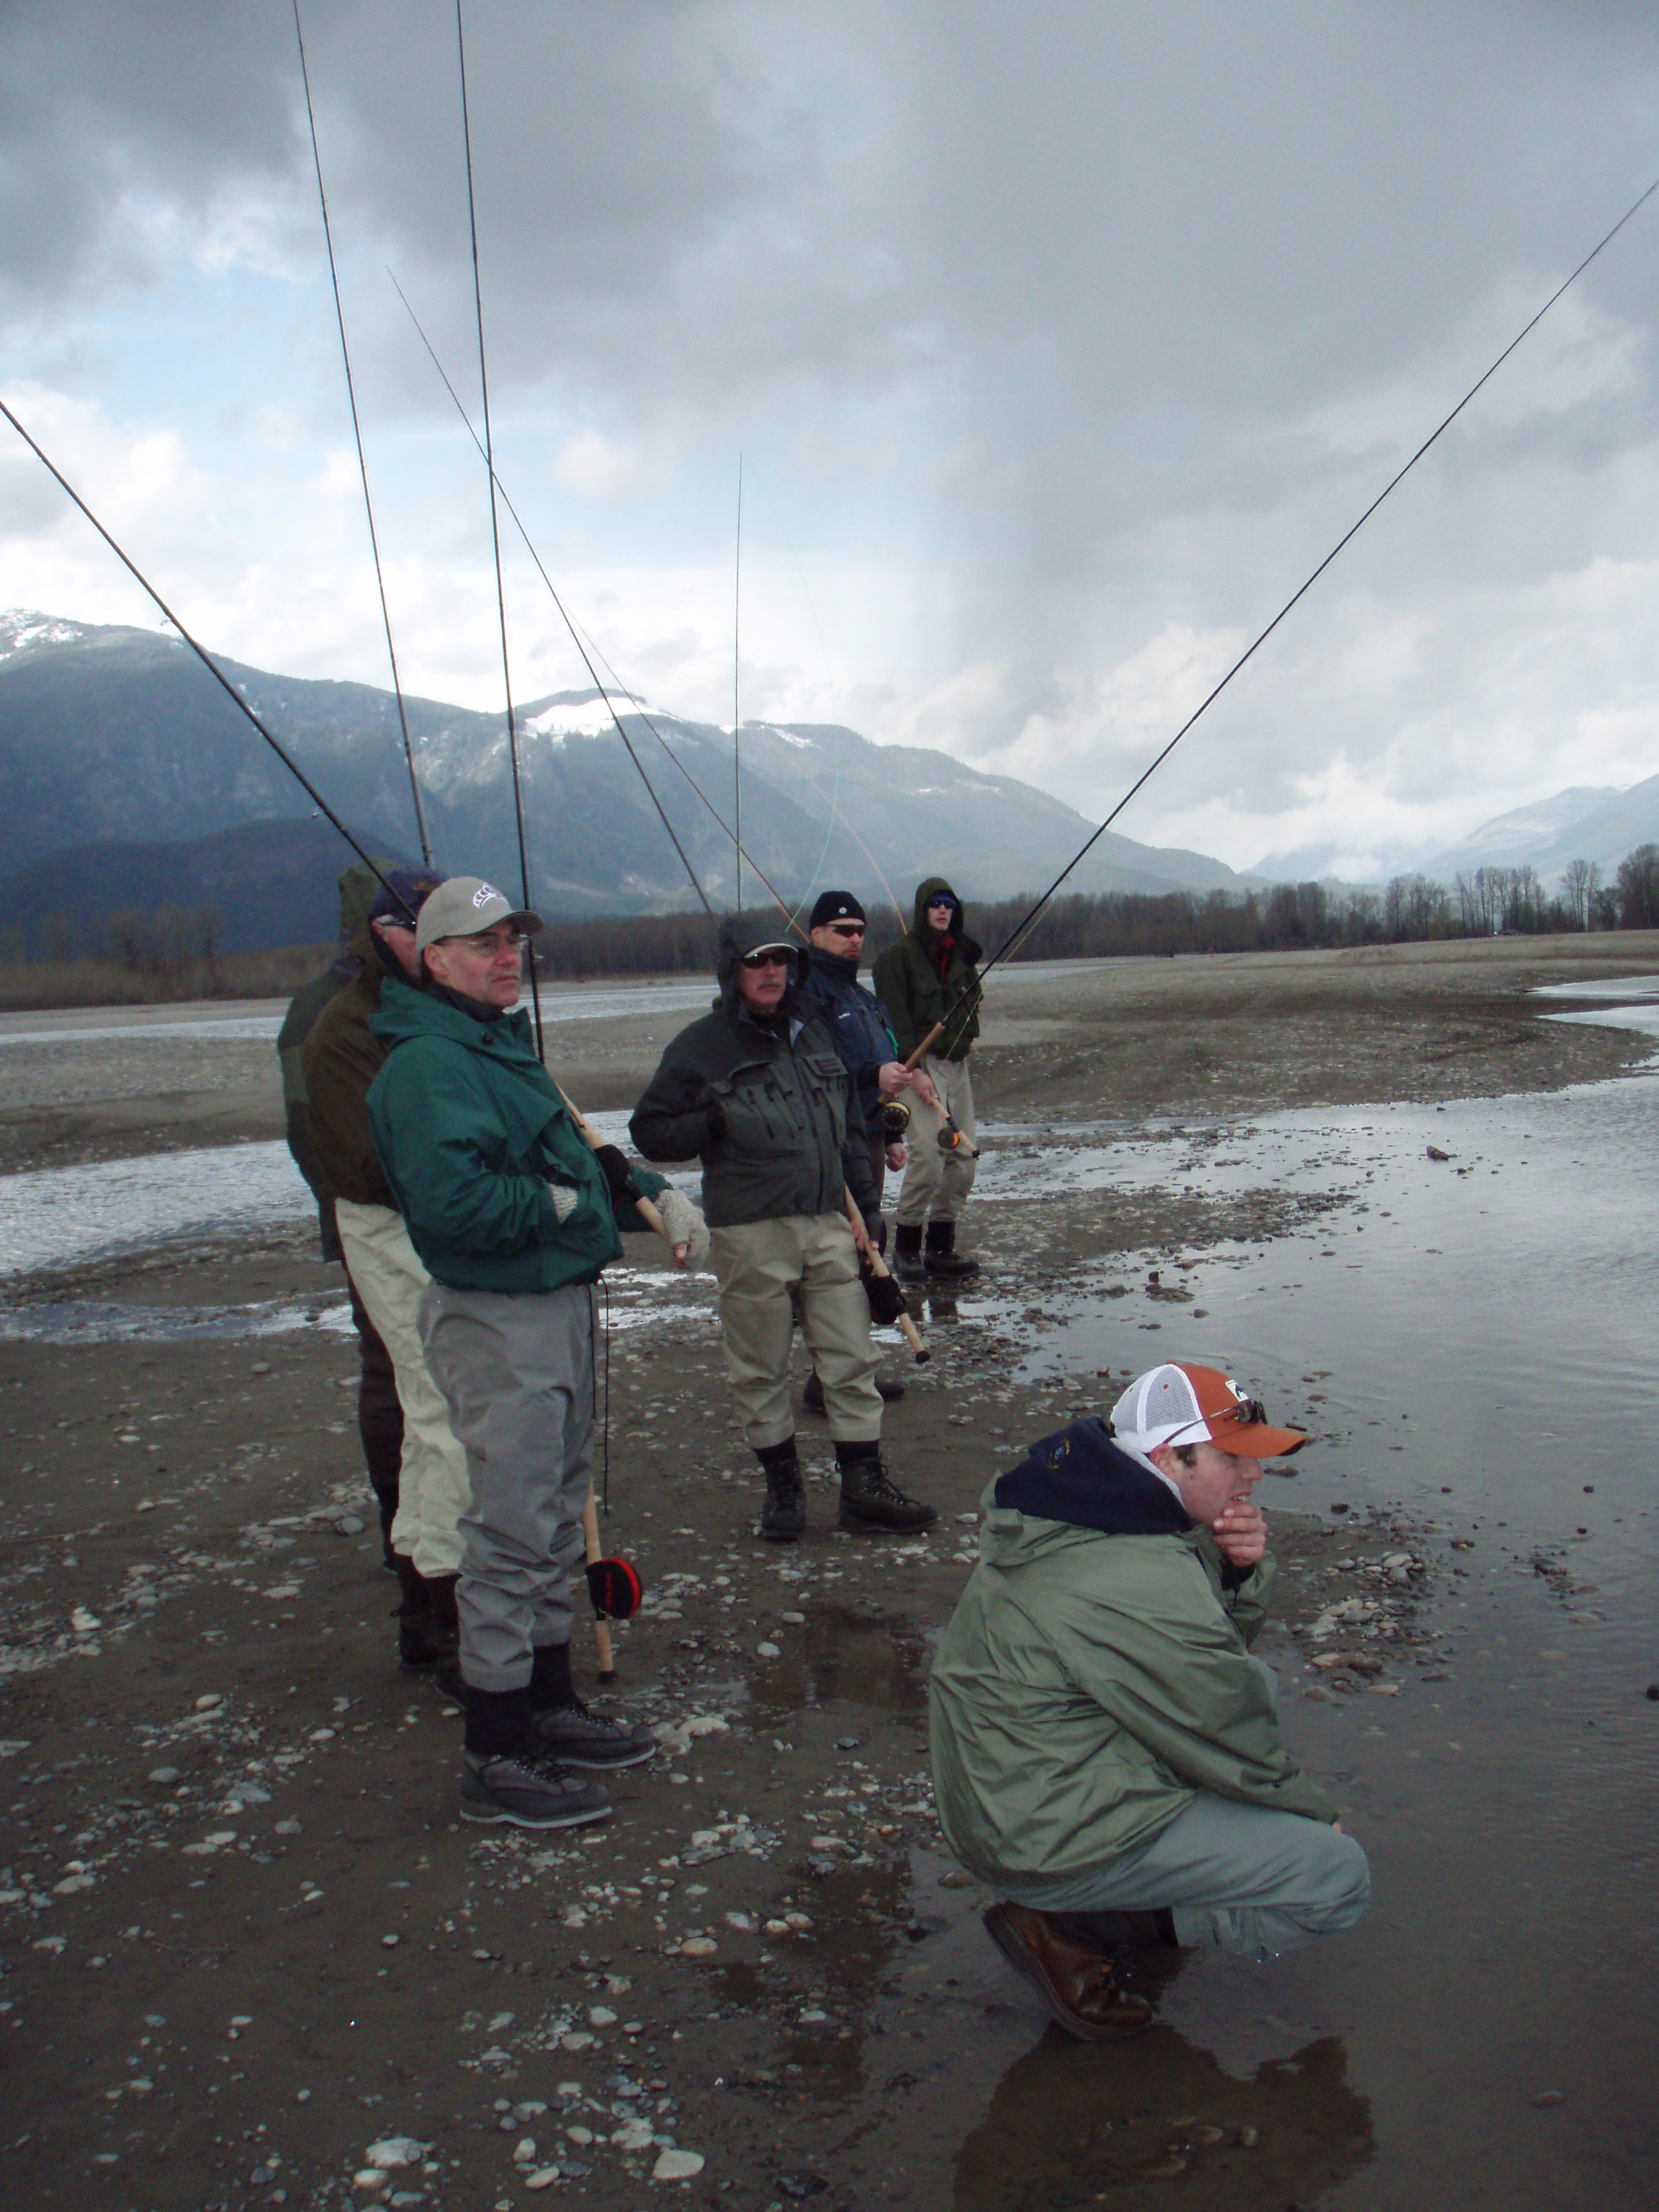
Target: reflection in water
[[881, 1662], [1070, 2120]]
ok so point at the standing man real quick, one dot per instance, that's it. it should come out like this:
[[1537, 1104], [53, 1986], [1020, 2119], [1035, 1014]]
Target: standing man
[[757, 1090], [864, 1038], [379, 1417], [342, 1058], [928, 977], [513, 1216], [1106, 1752]]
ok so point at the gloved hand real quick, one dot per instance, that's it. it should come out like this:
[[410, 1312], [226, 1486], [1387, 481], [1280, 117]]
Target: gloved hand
[[885, 1298], [565, 1199], [617, 1173], [684, 1225]]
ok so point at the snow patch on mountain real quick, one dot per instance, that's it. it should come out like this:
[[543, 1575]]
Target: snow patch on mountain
[[20, 626]]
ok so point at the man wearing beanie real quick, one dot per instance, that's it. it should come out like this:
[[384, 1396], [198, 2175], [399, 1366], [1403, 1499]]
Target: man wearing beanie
[[341, 1059], [929, 979], [1106, 1752], [513, 1216], [863, 1037]]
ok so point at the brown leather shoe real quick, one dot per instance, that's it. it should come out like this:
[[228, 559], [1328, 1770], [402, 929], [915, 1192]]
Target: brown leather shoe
[[1079, 1987]]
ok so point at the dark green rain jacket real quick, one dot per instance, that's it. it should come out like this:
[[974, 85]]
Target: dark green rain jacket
[[470, 1129], [909, 982]]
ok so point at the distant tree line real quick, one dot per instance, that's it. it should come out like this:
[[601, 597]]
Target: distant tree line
[[1486, 902]]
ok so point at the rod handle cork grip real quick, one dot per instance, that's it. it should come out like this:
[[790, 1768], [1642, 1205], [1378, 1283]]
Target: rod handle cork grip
[[926, 1046], [912, 1335], [601, 1628]]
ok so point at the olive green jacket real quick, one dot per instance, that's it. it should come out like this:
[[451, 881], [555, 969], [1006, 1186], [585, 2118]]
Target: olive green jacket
[[907, 982], [341, 1059], [1089, 1684]]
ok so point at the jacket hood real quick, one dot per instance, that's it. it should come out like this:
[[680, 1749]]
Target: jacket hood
[[745, 933], [1080, 1479], [357, 888], [930, 890]]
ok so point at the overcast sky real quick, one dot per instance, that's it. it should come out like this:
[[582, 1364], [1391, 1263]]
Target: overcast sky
[[1059, 344]]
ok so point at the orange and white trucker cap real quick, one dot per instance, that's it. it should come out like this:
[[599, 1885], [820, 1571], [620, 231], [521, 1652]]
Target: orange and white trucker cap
[[1180, 1405]]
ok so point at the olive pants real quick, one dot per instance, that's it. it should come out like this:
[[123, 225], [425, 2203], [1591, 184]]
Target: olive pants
[[758, 1264]]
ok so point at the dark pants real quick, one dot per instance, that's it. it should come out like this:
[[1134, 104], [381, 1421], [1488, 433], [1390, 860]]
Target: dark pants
[[379, 1416]]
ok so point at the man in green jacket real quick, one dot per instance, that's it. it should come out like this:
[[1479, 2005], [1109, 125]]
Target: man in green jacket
[[379, 1416], [341, 1058], [929, 978], [757, 1090], [1106, 1752], [513, 1216]]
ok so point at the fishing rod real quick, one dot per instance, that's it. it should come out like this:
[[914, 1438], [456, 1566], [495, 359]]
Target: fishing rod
[[1023, 927], [587, 658], [357, 433], [495, 525], [737, 719], [207, 660]]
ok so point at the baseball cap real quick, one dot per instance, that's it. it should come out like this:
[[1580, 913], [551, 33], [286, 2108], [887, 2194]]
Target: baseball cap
[[464, 906], [835, 906], [402, 894], [1180, 1405]]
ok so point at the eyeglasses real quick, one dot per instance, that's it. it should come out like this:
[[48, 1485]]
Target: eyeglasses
[[756, 961], [487, 947], [846, 929]]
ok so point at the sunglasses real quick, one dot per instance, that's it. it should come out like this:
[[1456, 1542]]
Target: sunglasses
[[757, 961], [487, 947], [847, 929]]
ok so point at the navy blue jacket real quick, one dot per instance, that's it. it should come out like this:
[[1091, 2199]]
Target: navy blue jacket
[[858, 1021]]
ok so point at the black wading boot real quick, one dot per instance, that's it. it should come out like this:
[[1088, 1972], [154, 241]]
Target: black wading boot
[[942, 1257], [907, 1264], [505, 1779], [783, 1517], [566, 1730], [869, 1503]]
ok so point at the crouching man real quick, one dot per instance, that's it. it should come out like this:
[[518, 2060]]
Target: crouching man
[[513, 1216], [1106, 1752]]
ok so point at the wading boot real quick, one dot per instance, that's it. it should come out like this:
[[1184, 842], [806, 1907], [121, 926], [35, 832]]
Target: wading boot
[[1079, 1986], [506, 1780], [783, 1517], [907, 1263], [565, 1730], [941, 1257], [812, 1396], [446, 1627], [872, 1504], [418, 1631]]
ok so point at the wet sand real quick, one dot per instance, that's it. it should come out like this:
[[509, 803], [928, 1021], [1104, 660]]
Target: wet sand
[[223, 1803]]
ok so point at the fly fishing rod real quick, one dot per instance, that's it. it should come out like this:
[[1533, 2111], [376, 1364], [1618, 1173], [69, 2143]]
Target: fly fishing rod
[[737, 717], [587, 660], [494, 524], [357, 435], [1022, 929], [205, 658]]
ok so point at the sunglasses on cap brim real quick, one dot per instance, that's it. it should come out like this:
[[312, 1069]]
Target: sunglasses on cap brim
[[1244, 1430]]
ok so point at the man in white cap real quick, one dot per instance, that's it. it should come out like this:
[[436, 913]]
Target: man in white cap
[[513, 1216], [1106, 1752]]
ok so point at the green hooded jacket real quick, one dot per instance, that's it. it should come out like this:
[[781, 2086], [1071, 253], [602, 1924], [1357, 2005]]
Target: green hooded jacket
[[469, 1129], [908, 982], [357, 888], [1094, 1678]]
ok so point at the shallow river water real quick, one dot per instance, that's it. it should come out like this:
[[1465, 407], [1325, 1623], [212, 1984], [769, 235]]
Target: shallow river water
[[1473, 1340]]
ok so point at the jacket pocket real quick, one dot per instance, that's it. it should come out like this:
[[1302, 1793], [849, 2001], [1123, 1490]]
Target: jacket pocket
[[756, 1117]]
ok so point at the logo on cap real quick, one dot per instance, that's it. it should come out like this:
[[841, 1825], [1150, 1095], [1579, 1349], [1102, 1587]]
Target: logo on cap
[[485, 893]]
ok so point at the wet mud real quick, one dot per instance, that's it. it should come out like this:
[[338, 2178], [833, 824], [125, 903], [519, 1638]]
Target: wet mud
[[249, 1955]]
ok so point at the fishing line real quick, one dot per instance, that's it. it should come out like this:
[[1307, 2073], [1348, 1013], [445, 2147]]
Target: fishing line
[[737, 719], [575, 636], [494, 528], [1023, 927], [357, 433], [206, 659]]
